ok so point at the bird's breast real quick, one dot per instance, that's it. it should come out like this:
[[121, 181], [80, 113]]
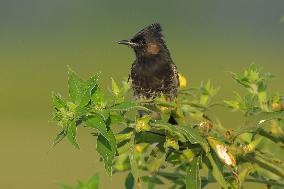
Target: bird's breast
[[151, 78]]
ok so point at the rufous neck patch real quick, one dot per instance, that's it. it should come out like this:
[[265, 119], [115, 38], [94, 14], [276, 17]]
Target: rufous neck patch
[[153, 48]]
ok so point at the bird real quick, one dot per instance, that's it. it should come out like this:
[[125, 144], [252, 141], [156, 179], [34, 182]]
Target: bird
[[153, 72]]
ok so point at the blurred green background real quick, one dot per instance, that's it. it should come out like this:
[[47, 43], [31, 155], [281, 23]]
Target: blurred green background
[[38, 38]]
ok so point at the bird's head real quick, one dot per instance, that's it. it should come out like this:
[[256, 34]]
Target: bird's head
[[148, 42]]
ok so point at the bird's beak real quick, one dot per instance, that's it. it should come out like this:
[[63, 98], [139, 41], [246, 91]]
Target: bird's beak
[[127, 42]]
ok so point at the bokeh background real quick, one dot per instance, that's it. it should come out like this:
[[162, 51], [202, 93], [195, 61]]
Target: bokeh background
[[39, 38]]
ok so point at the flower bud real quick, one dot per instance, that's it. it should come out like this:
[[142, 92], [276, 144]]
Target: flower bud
[[182, 81]]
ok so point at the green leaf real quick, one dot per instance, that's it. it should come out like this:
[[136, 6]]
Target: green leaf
[[80, 91], [171, 176], [122, 163], [193, 177], [270, 136], [149, 137], [107, 149], [243, 175], [217, 170], [164, 102], [129, 181], [133, 162], [98, 97], [265, 164], [88, 90], [71, 134], [93, 182], [97, 122], [194, 137], [155, 162], [127, 106], [267, 116], [152, 181], [58, 101], [117, 119], [114, 87], [172, 129], [232, 104], [76, 86], [59, 137], [125, 134]]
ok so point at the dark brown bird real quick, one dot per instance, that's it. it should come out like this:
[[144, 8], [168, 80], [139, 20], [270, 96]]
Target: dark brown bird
[[153, 72]]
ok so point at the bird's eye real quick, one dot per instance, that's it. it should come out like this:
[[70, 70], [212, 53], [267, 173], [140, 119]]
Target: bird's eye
[[142, 41], [139, 40]]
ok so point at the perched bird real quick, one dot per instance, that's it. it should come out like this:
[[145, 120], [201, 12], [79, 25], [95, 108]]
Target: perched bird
[[153, 72]]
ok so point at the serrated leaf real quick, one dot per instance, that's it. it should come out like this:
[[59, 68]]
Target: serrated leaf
[[193, 178], [98, 97], [80, 90], [58, 101], [97, 122], [71, 134], [129, 181], [76, 86], [114, 87], [59, 137], [194, 137], [88, 89], [107, 149]]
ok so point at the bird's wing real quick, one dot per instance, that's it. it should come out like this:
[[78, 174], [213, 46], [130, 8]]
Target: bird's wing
[[129, 76], [176, 77]]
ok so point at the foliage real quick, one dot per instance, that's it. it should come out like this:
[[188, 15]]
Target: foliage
[[197, 151], [92, 183]]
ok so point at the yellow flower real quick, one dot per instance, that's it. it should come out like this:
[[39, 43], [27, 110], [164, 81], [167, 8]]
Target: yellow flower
[[276, 106], [138, 148], [142, 124], [182, 81]]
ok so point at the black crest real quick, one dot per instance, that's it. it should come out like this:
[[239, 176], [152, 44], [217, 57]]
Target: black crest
[[153, 30]]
